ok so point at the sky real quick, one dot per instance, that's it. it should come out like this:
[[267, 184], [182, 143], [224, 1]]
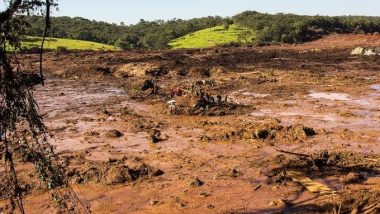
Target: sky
[[131, 11]]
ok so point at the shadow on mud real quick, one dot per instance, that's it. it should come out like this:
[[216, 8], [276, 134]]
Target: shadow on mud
[[338, 170], [323, 164]]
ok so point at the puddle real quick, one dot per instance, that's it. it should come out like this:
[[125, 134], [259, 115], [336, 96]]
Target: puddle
[[330, 96], [245, 97], [115, 91], [323, 117], [261, 113], [376, 87], [257, 95], [361, 119], [64, 100], [60, 96]]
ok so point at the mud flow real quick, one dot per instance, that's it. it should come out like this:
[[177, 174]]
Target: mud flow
[[290, 129]]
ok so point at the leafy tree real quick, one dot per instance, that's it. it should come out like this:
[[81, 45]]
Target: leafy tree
[[245, 37], [129, 41], [22, 132], [227, 23]]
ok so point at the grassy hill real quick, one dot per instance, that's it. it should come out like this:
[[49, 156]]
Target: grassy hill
[[69, 44], [214, 36]]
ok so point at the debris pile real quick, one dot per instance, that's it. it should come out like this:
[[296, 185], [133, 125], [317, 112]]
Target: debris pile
[[113, 133], [307, 169], [271, 132], [110, 174], [151, 85], [102, 70], [156, 136], [137, 69], [369, 51], [276, 131], [201, 103], [80, 170], [351, 167]]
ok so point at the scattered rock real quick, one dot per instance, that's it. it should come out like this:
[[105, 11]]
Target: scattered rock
[[210, 206], [271, 131], [117, 175], [370, 51], [278, 203], [358, 51], [92, 133], [156, 71], [202, 103], [205, 194], [180, 204], [302, 131], [205, 138], [155, 136], [154, 202], [272, 203], [234, 173], [352, 177], [113, 133], [200, 71], [149, 84], [102, 70], [196, 183]]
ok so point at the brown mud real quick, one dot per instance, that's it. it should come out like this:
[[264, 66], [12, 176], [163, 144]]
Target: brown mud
[[215, 130]]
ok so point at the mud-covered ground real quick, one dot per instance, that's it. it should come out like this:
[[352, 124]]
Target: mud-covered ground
[[217, 130]]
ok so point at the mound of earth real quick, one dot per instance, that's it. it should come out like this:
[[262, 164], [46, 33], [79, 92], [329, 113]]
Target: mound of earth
[[106, 173], [143, 69], [202, 104]]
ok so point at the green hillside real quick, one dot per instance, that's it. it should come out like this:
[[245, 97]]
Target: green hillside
[[214, 36], [69, 44]]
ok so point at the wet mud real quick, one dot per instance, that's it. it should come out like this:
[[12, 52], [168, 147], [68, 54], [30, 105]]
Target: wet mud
[[214, 130]]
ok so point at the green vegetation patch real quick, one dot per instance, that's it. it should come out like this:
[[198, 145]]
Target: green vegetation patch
[[210, 37], [69, 44]]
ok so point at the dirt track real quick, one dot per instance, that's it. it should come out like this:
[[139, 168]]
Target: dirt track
[[216, 156]]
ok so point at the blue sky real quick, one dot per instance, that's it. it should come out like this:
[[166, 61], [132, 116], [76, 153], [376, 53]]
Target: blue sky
[[131, 11]]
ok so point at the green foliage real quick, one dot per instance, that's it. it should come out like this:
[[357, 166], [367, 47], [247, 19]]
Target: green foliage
[[22, 131], [227, 23], [157, 34], [268, 29], [214, 36], [63, 44], [145, 34], [290, 28], [75, 28]]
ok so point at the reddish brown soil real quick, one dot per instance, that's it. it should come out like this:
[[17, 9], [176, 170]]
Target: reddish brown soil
[[303, 98]]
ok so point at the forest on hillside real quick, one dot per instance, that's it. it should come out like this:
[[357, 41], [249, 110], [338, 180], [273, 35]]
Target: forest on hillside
[[269, 29], [290, 28], [143, 35]]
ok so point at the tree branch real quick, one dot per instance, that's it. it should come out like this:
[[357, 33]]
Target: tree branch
[[8, 13]]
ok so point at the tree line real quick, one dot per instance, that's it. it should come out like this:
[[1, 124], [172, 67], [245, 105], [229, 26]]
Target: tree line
[[290, 28], [268, 28], [143, 35]]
